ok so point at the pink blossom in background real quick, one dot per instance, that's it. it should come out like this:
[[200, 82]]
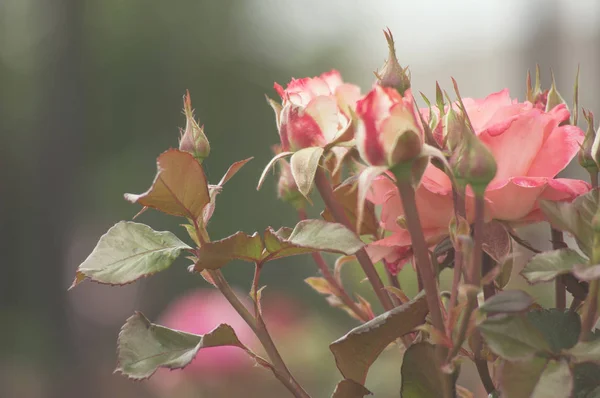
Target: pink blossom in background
[[202, 310], [315, 110], [530, 149]]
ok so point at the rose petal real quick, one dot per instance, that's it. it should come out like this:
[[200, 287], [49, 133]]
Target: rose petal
[[481, 111], [516, 199], [557, 151], [324, 111], [516, 148]]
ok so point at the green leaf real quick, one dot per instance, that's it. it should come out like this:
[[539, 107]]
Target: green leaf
[[324, 236], [356, 351], [513, 337], [129, 251], [143, 347], [508, 301], [304, 165], [548, 265], [518, 379], [240, 246], [560, 328], [422, 376], [179, 188], [587, 382], [556, 381], [350, 389], [574, 217], [307, 236]]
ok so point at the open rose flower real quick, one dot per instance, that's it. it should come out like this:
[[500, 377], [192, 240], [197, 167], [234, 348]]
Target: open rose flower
[[530, 148], [314, 111]]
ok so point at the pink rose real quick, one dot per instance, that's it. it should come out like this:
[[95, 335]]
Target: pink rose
[[530, 148], [315, 111], [388, 131]]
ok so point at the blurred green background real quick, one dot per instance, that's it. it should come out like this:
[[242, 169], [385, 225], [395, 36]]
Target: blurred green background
[[90, 94]]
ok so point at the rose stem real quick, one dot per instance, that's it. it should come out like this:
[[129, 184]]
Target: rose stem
[[475, 280], [428, 277], [558, 242], [257, 325], [459, 211], [339, 216], [338, 288]]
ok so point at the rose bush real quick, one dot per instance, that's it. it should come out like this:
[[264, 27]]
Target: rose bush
[[530, 147]]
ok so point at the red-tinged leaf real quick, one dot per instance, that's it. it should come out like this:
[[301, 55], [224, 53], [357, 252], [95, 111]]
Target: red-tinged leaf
[[270, 165], [339, 263], [179, 188], [129, 251], [350, 389], [216, 189], [240, 246], [304, 165], [143, 347], [347, 196], [320, 285], [366, 178], [496, 241], [233, 169], [356, 351]]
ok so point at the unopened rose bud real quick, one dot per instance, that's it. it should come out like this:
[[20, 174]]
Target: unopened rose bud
[[588, 154], [472, 162], [193, 139], [388, 131], [452, 131], [392, 73]]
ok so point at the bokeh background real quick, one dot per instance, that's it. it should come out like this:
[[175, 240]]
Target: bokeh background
[[90, 94]]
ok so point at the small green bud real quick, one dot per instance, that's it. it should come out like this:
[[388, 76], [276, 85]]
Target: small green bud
[[392, 73], [472, 163], [588, 156], [287, 189], [193, 139]]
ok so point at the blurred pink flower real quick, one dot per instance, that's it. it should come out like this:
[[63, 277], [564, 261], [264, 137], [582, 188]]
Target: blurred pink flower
[[315, 111], [202, 310], [530, 147]]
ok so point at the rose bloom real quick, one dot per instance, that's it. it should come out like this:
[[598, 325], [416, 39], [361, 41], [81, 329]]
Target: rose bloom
[[530, 149], [314, 111], [201, 311]]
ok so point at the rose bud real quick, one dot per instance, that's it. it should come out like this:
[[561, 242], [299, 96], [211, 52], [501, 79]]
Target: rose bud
[[287, 189], [392, 73], [588, 156], [193, 139], [388, 130]]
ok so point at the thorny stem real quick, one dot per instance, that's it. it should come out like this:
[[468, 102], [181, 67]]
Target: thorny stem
[[259, 328], [590, 311], [279, 368], [558, 242], [428, 277], [254, 289], [338, 288], [324, 188], [475, 279], [459, 211], [593, 178]]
